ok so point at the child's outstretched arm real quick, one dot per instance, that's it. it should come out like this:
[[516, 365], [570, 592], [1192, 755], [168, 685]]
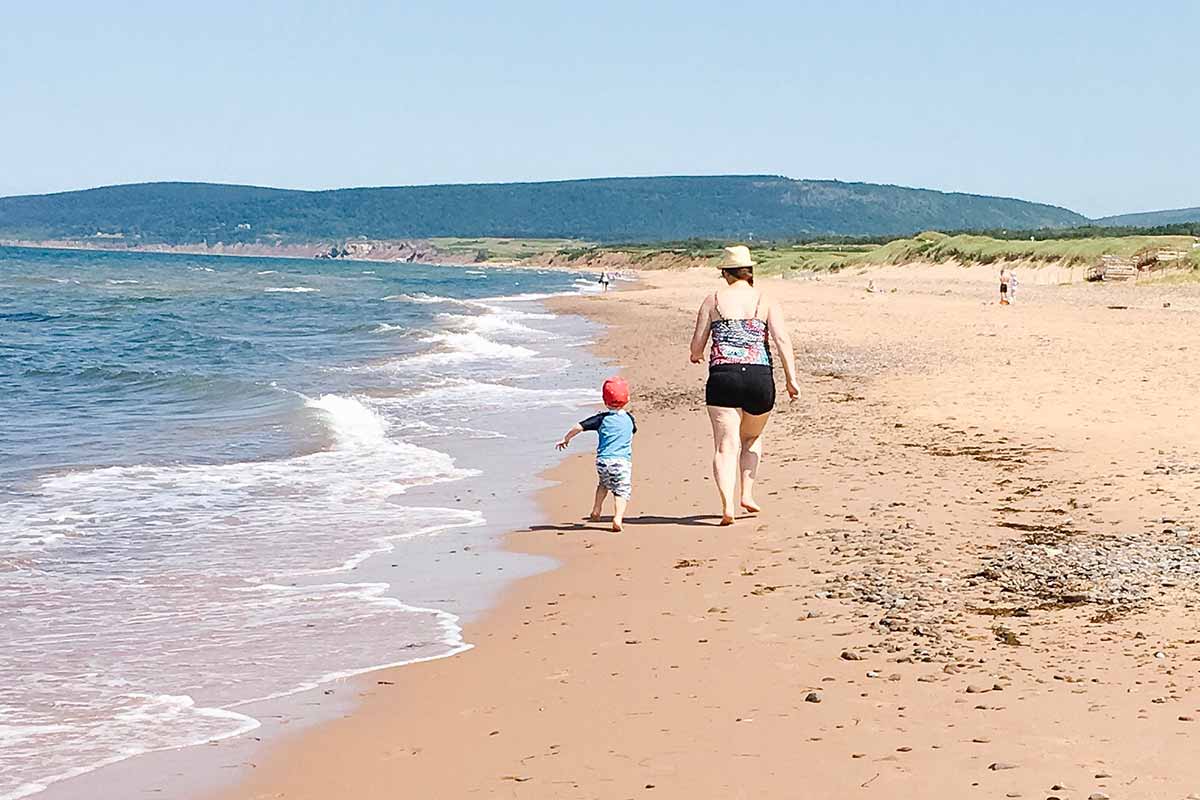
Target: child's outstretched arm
[[576, 429]]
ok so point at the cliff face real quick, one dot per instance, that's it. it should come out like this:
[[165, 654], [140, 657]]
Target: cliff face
[[378, 250]]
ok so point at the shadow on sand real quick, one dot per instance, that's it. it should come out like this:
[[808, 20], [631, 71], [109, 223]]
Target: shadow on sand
[[643, 519]]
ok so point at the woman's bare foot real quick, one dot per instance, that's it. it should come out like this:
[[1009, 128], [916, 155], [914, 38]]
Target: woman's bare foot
[[618, 525], [728, 519], [751, 506], [594, 516]]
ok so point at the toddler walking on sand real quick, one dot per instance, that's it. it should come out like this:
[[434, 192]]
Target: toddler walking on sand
[[614, 451]]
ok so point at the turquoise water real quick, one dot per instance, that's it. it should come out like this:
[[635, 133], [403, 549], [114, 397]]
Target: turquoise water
[[198, 454]]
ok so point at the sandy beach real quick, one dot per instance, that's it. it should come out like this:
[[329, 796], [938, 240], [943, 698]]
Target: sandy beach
[[975, 576]]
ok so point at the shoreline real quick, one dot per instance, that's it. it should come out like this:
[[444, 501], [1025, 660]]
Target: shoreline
[[184, 250], [459, 588]]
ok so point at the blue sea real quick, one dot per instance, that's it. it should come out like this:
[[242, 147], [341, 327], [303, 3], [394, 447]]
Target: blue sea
[[220, 478]]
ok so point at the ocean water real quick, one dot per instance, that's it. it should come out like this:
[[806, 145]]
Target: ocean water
[[198, 455]]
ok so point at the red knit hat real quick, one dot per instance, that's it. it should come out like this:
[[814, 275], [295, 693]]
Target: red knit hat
[[616, 392]]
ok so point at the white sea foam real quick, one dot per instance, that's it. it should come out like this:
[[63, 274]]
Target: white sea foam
[[374, 595], [473, 346], [524, 297], [132, 620], [492, 324], [423, 298], [481, 395], [387, 327], [292, 289], [588, 287], [422, 429]]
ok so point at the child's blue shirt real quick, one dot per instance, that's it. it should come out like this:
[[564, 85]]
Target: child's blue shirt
[[616, 430]]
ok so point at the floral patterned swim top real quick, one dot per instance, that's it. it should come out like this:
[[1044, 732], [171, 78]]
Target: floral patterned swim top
[[739, 341]]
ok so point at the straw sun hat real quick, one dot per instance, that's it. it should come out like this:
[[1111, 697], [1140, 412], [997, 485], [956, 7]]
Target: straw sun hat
[[736, 257]]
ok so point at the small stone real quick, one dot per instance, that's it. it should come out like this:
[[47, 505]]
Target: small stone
[[1186, 718], [981, 740], [996, 766], [973, 689], [1102, 775], [872, 674], [812, 697], [1098, 796], [850, 655], [905, 749]]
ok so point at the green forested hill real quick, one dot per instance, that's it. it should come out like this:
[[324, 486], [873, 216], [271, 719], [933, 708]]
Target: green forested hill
[[605, 209], [1152, 219]]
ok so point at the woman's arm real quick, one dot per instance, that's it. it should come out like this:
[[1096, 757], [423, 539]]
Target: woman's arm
[[700, 336], [782, 338]]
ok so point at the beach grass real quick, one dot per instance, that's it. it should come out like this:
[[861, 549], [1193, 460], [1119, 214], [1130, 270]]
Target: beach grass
[[938, 248], [967, 248], [781, 258], [490, 249]]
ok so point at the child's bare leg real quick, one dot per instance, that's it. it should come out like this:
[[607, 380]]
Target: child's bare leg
[[619, 516], [598, 505]]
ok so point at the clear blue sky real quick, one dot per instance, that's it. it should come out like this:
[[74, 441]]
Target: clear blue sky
[[1091, 105]]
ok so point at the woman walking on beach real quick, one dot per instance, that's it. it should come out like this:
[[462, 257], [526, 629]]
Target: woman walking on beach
[[740, 392]]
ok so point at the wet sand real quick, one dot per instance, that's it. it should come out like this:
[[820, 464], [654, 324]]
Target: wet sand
[[975, 576]]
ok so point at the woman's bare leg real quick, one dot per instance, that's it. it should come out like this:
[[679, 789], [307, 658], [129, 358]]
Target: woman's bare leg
[[750, 434], [725, 424]]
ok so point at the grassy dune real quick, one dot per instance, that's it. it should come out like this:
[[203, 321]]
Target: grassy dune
[[783, 258], [970, 249], [501, 250]]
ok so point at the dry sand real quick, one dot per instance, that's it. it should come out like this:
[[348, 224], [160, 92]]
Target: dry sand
[[980, 555]]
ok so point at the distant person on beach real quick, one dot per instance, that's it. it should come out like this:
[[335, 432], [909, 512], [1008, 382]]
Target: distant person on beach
[[614, 450], [740, 393], [1004, 278], [604, 279]]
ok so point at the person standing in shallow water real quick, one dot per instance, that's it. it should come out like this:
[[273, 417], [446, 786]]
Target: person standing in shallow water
[[743, 323]]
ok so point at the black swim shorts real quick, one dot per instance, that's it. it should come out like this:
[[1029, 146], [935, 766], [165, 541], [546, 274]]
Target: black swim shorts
[[750, 387]]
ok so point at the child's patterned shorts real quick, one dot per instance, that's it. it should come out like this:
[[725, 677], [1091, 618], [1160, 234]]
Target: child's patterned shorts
[[616, 475]]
